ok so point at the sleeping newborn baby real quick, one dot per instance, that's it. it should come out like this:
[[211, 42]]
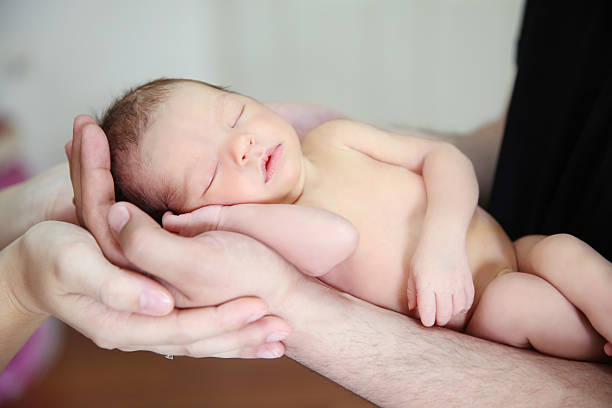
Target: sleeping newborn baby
[[391, 219]]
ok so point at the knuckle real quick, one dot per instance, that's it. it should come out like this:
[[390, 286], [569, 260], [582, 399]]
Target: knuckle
[[254, 335], [135, 244], [65, 255], [104, 343], [109, 293], [223, 319], [190, 350], [184, 332]]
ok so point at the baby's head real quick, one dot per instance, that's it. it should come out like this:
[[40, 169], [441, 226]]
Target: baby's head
[[179, 144]]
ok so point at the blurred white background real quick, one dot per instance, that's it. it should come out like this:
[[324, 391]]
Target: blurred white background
[[446, 65]]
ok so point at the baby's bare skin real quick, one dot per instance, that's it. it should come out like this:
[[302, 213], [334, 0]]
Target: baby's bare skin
[[422, 243], [387, 204]]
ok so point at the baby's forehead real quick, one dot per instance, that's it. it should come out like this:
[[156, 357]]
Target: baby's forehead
[[190, 105], [196, 93]]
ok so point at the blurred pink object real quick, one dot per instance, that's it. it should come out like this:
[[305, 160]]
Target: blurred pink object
[[13, 169], [31, 362], [34, 357], [12, 173]]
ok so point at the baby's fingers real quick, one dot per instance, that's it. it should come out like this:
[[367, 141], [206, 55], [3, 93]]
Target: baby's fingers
[[196, 222], [411, 294], [444, 308], [469, 295], [459, 302], [426, 301]]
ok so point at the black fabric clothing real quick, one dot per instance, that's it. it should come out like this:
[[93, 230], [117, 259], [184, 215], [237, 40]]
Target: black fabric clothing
[[554, 172]]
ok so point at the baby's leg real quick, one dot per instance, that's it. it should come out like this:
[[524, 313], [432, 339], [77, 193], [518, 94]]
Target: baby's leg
[[523, 310], [576, 270]]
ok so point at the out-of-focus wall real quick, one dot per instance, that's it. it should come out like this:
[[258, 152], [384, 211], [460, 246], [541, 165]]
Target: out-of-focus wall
[[440, 64], [64, 57]]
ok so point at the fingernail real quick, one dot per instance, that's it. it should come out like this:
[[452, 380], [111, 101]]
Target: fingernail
[[117, 217], [154, 302], [277, 336], [267, 353], [68, 149]]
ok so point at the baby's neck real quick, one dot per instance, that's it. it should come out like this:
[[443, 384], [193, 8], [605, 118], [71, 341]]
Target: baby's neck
[[308, 175]]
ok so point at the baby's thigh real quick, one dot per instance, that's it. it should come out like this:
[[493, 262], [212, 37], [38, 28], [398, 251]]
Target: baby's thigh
[[524, 310]]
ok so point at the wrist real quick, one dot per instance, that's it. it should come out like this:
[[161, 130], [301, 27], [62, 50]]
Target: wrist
[[435, 242], [54, 192], [288, 286], [15, 299], [33, 204], [307, 299], [17, 323]]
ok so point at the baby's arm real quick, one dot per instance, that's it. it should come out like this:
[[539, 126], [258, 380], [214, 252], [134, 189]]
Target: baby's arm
[[313, 239], [439, 277]]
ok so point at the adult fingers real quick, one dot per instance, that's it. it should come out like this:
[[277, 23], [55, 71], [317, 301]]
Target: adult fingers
[[119, 289], [267, 350], [97, 190], [68, 150], [265, 330], [205, 270], [176, 332], [153, 249], [75, 159]]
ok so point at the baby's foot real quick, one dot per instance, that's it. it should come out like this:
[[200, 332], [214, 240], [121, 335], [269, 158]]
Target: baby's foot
[[598, 308]]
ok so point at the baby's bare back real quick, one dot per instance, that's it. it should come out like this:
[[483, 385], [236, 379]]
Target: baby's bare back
[[387, 205]]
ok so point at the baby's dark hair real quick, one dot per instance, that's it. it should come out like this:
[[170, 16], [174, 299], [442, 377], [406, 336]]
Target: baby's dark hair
[[124, 123]]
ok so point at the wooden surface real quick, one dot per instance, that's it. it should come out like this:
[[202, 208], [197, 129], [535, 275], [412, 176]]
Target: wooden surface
[[85, 376]]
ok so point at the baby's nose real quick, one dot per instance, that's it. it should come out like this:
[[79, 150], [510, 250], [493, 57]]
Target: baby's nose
[[244, 149]]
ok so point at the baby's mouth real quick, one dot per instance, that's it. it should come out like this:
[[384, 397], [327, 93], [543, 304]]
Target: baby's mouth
[[270, 160]]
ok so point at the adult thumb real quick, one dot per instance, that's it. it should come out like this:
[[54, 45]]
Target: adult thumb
[[148, 246]]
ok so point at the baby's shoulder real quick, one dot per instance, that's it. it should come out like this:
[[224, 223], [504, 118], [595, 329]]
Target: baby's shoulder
[[332, 133]]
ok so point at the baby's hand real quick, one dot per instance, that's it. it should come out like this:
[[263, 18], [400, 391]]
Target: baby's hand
[[441, 286], [203, 219]]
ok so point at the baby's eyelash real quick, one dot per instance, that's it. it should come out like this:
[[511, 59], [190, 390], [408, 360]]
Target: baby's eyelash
[[212, 178], [239, 116]]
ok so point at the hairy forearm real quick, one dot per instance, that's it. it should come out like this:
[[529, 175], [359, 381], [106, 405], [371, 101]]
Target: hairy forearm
[[391, 360]]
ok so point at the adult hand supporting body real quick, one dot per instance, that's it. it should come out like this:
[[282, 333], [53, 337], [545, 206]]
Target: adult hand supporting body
[[223, 330], [384, 356], [57, 269], [50, 266]]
